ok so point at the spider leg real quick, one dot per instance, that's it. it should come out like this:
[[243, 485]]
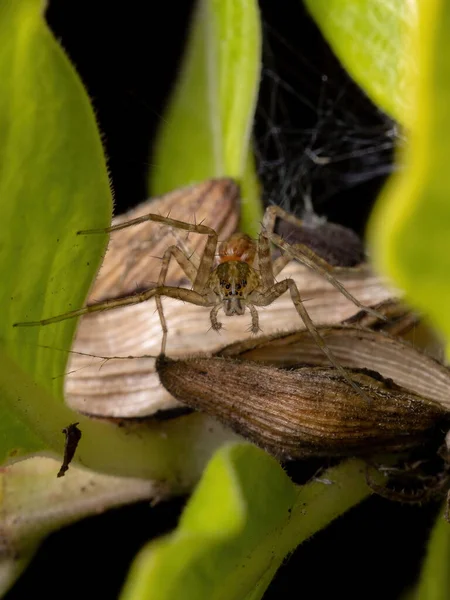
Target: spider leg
[[255, 319], [309, 258], [207, 258], [133, 250], [432, 487], [274, 212], [266, 297], [186, 248], [279, 263], [265, 262], [182, 260], [140, 246], [182, 294], [306, 256], [188, 268], [215, 323]]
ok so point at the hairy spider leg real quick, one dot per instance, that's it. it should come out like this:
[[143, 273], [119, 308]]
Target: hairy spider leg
[[268, 296], [182, 294], [307, 256], [215, 323], [207, 257], [188, 268], [198, 276], [271, 291], [193, 296], [255, 328], [144, 245], [187, 249]]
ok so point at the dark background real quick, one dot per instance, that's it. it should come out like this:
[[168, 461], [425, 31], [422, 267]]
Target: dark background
[[127, 55]]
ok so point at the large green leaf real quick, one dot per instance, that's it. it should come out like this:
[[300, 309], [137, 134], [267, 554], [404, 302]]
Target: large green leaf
[[53, 181], [243, 519], [434, 581], [410, 226], [34, 503], [368, 36], [207, 125]]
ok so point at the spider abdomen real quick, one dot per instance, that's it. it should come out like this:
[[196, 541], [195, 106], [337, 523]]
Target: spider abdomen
[[238, 248]]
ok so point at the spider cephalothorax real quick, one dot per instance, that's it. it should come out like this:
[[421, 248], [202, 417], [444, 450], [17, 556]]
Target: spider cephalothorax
[[243, 278], [234, 279], [233, 282]]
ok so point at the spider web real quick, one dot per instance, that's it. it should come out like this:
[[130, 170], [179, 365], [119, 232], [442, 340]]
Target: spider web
[[319, 141]]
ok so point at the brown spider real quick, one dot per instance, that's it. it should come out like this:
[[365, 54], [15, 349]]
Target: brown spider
[[243, 278]]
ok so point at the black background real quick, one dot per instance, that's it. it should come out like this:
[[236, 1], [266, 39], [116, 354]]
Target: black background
[[127, 55]]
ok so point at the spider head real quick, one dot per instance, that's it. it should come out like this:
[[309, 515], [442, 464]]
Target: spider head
[[233, 281]]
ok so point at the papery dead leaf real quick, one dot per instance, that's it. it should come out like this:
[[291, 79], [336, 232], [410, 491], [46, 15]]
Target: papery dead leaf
[[354, 347], [309, 411]]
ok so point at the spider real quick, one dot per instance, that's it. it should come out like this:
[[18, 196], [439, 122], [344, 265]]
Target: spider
[[244, 277]]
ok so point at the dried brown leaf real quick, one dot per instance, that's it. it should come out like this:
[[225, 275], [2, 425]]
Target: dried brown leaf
[[306, 411], [354, 347]]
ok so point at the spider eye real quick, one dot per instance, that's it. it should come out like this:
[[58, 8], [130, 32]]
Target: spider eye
[[244, 282], [228, 286], [238, 287]]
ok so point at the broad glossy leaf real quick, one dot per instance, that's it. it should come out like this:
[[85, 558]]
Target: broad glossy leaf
[[34, 503], [53, 181], [243, 519], [207, 125], [434, 583], [369, 37], [410, 227]]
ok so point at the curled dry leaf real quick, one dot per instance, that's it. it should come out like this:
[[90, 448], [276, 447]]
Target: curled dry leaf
[[130, 388], [309, 411], [297, 411], [355, 348]]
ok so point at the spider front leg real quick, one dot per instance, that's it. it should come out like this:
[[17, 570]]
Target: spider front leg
[[215, 323], [255, 328], [177, 293], [266, 297], [198, 295], [138, 248], [207, 258], [187, 267], [306, 256]]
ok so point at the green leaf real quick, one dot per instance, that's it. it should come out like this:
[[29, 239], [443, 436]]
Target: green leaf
[[34, 503], [53, 181], [434, 581], [368, 36], [409, 231], [244, 517], [207, 125]]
